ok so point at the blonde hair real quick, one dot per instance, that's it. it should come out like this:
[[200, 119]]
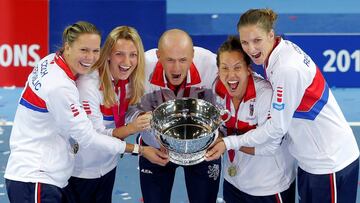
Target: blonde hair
[[136, 79], [265, 18], [72, 32]]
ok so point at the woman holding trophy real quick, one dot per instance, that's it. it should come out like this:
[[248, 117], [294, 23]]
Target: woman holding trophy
[[264, 173]]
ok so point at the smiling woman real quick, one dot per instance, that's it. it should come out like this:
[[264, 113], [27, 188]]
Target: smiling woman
[[50, 125], [114, 84], [81, 51], [326, 152]]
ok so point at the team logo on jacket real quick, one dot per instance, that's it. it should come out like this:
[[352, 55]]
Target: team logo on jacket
[[214, 171], [74, 146], [251, 110], [279, 104], [74, 110]]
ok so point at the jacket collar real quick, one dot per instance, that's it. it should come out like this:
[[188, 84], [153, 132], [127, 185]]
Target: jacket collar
[[60, 61], [158, 77], [277, 42]]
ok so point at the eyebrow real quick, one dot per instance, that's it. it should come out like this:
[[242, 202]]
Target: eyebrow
[[237, 63], [125, 51]]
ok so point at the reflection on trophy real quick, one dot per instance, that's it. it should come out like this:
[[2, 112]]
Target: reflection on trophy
[[187, 127]]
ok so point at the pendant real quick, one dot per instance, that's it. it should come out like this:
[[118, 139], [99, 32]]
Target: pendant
[[232, 170]]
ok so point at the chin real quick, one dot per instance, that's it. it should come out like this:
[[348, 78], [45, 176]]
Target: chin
[[83, 71], [178, 83], [124, 78], [232, 94], [258, 62]]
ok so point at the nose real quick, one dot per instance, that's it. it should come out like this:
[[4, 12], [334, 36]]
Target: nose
[[231, 73], [127, 60], [177, 66], [93, 56], [251, 47]]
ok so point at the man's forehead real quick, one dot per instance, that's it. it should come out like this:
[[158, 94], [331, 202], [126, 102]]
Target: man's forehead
[[175, 52]]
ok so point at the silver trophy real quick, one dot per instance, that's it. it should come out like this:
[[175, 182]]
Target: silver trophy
[[187, 127]]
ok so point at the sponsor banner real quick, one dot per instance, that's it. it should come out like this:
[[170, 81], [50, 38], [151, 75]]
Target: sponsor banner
[[23, 38], [337, 56]]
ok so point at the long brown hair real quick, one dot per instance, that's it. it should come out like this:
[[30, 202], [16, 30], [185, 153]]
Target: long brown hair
[[265, 18]]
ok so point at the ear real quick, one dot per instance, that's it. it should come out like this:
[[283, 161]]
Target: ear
[[157, 54], [249, 70], [67, 46], [272, 34]]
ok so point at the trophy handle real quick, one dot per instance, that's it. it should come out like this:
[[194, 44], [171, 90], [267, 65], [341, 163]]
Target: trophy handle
[[223, 112]]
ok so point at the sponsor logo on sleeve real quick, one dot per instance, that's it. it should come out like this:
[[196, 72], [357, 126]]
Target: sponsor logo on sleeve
[[279, 104]]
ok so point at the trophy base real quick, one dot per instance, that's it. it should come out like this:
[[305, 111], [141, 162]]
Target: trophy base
[[187, 159]]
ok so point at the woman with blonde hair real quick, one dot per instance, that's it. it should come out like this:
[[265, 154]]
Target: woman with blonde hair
[[116, 81], [50, 125]]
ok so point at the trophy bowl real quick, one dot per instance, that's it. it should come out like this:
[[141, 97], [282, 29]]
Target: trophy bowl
[[186, 128]]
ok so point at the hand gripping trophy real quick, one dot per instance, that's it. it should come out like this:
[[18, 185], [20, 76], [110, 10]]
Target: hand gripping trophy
[[187, 127]]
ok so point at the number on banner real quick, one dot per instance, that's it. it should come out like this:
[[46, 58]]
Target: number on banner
[[342, 60]]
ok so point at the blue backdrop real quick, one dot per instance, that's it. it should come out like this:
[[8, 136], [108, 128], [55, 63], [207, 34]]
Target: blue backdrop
[[337, 55], [147, 16]]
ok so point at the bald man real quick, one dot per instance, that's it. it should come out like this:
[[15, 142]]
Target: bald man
[[177, 69]]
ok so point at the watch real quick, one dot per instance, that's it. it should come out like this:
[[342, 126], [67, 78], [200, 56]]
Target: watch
[[136, 149]]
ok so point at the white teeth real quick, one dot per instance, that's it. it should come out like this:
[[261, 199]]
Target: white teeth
[[85, 64], [125, 67], [233, 84]]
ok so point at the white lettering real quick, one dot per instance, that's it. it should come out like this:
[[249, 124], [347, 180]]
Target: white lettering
[[356, 56], [6, 55], [33, 54], [16, 55], [20, 54], [342, 61]]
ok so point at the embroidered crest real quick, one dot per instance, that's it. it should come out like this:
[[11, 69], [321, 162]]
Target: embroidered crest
[[214, 171], [251, 109], [74, 146]]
